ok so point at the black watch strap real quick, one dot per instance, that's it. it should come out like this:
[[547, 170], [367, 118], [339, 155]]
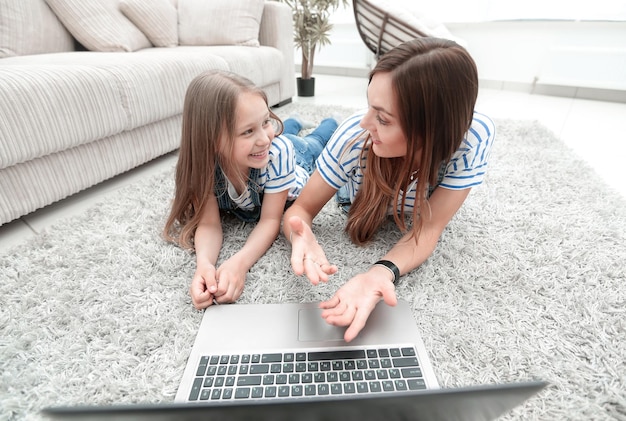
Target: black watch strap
[[392, 268]]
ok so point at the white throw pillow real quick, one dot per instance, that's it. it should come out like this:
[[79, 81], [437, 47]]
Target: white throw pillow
[[157, 19], [219, 22], [99, 25], [30, 27]]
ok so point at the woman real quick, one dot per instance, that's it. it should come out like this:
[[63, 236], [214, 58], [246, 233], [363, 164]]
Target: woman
[[419, 135]]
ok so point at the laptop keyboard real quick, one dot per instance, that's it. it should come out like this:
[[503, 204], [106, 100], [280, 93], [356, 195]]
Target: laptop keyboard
[[306, 374]]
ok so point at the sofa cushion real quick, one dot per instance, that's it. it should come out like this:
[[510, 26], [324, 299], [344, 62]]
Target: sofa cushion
[[219, 22], [157, 19], [30, 27], [99, 25], [46, 109]]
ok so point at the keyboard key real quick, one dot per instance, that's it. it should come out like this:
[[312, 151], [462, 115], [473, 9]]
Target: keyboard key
[[405, 362], [319, 377], [310, 390], [227, 393], [249, 380], [336, 389], [344, 376], [294, 378], [281, 379], [383, 352], [300, 367], [272, 358], [411, 372], [394, 373], [208, 382], [388, 386], [289, 357], [219, 382], [349, 388], [216, 394], [195, 389], [400, 385], [323, 389], [224, 359], [301, 356], [371, 353], [375, 387], [245, 359], [283, 391], [214, 359], [361, 387], [307, 378], [395, 352], [416, 384], [336, 355], [256, 358], [337, 365], [205, 394], [268, 379], [270, 391], [242, 393], [234, 359], [408, 352], [230, 381], [296, 390], [259, 368], [257, 392]]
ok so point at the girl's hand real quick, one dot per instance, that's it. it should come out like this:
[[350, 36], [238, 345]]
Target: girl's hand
[[307, 256], [230, 282], [203, 286], [354, 301]]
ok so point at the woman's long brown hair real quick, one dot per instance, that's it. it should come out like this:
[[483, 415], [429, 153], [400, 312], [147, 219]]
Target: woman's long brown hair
[[435, 85], [208, 127]]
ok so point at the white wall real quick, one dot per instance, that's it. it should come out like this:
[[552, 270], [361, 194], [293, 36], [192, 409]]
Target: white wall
[[522, 53]]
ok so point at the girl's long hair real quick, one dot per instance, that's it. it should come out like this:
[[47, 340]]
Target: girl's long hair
[[208, 130], [435, 85]]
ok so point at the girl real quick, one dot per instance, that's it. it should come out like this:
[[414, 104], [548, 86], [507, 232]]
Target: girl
[[231, 160], [420, 135]]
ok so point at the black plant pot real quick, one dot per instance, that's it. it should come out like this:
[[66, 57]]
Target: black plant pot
[[306, 87]]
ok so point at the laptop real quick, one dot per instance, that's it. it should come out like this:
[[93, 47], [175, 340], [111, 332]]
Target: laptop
[[280, 361]]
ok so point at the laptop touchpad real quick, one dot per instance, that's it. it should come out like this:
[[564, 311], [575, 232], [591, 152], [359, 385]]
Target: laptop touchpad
[[311, 327]]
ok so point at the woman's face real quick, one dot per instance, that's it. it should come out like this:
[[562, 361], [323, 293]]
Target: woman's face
[[381, 120], [254, 132]]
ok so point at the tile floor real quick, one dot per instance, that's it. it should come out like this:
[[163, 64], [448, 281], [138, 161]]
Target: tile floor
[[594, 129]]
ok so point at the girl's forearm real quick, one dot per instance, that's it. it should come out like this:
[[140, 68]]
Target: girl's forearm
[[208, 243], [260, 240]]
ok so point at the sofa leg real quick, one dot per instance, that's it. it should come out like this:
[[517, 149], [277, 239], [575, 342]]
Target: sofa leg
[[281, 103]]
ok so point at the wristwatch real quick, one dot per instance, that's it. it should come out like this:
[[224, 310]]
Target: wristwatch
[[391, 267]]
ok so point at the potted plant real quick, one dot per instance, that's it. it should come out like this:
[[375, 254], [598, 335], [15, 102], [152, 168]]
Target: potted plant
[[311, 26]]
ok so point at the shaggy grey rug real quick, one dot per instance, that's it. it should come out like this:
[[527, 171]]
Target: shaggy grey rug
[[528, 282]]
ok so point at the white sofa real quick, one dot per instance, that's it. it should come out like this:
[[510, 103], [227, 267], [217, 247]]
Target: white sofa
[[92, 88]]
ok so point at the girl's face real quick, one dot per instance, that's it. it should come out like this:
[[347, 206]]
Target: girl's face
[[381, 119], [254, 132]]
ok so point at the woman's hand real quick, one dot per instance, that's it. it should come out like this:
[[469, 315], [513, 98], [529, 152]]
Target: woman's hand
[[307, 256], [203, 286], [354, 301]]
